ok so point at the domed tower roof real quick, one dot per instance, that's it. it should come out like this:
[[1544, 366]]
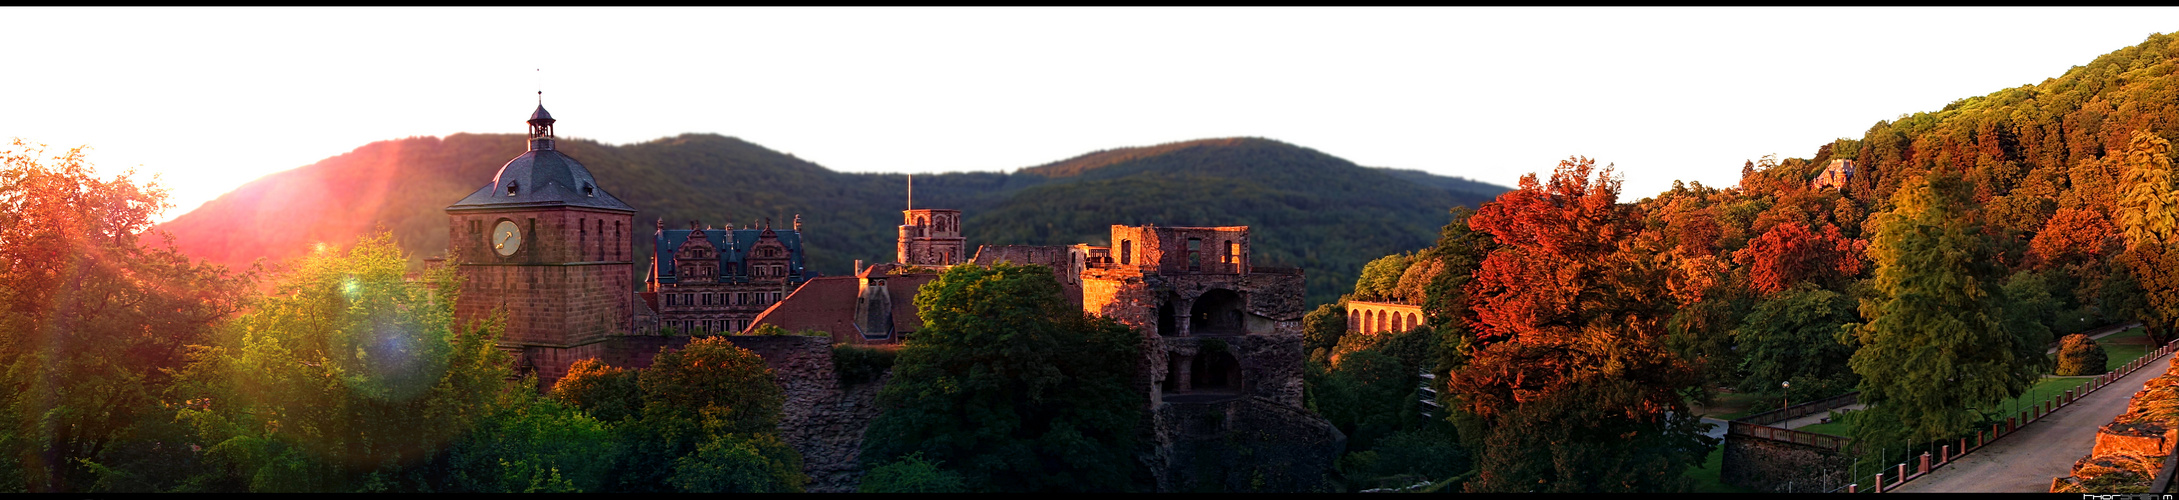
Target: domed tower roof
[[541, 177]]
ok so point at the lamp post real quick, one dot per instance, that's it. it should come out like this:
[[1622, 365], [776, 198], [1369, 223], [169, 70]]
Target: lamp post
[[1787, 386]]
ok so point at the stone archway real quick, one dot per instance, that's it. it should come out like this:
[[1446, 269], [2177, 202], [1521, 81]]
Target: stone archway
[[1216, 312]]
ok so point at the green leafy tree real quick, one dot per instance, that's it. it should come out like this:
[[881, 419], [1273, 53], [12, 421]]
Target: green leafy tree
[[530, 444], [84, 343], [1790, 337], [911, 474], [343, 378], [1937, 345], [1380, 278], [740, 463], [1321, 328], [606, 392], [1011, 385], [94, 320], [1367, 394], [709, 423]]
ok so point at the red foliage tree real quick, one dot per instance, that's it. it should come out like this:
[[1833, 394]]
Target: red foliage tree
[[2073, 235], [1569, 313], [1790, 253]]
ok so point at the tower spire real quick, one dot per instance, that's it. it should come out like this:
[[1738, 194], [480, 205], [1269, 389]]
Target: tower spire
[[541, 138]]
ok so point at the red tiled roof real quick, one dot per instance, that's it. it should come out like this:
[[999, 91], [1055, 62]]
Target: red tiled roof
[[827, 304], [824, 304]]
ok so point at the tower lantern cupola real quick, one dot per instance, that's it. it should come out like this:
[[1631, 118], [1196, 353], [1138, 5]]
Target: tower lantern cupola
[[541, 130]]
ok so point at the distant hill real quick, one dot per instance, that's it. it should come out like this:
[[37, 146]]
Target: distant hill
[[1309, 209]]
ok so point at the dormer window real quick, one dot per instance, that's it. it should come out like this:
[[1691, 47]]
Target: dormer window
[[510, 188], [589, 190]]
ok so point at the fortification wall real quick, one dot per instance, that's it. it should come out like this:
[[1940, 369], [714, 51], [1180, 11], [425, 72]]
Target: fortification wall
[[819, 418], [1246, 444], [1778, 466]]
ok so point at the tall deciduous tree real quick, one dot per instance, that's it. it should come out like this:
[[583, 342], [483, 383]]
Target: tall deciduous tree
[[2148, 215], [343, 378], [1790, 253], [1576, 386], [1791, 337], [1937, 344], [1011, 388], [93, 320]]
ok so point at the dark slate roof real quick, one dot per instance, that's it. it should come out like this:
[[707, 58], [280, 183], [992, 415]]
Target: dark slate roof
[[542, 178], [540, 114], [736, 250]]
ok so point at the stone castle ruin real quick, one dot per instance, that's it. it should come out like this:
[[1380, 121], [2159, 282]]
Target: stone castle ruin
[[546, 245]]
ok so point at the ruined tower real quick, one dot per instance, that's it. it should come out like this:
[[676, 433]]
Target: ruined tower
[[931, 237]]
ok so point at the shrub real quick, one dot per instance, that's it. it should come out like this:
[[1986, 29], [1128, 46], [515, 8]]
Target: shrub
[[857, 364], [912, 474], [775, 330], [2080, 355]]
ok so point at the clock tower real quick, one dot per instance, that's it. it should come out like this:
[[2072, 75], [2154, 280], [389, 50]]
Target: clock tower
[[546, 245]]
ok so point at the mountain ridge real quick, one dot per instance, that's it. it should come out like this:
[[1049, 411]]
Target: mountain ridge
[[1299, 200]]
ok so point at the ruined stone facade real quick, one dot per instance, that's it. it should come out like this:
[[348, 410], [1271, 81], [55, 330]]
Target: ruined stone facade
[[930, 237], [1834, 175], [1224, 338], [1220, 372]]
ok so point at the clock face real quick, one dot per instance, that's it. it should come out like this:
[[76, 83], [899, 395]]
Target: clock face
[[506, 238]]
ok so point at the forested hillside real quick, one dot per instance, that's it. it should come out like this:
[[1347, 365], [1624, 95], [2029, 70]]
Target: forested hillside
[[1965, 242], [1311, 210]]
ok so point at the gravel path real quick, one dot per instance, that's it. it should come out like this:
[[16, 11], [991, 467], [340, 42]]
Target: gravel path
[[2026, 461]]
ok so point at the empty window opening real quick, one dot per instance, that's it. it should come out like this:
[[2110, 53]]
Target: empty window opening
[[1195, 254], [1217, 312], [1127, 252], [1167, 326], [1215, 372]]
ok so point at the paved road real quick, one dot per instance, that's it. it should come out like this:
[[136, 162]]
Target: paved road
[[2026, 461]]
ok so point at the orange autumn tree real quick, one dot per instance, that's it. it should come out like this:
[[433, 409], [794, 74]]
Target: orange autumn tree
[[1572, 382], [1791, 253]]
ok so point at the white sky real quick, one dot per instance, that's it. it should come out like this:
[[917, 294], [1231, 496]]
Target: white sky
[[211, 98]]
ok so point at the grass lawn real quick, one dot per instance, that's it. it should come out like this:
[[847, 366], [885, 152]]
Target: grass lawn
[[1730, 405], [1837, 427], [1706, 478], [2123, 347], [2041, 391]]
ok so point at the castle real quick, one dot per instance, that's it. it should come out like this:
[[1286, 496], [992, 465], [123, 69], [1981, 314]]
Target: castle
[[546, 245]]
